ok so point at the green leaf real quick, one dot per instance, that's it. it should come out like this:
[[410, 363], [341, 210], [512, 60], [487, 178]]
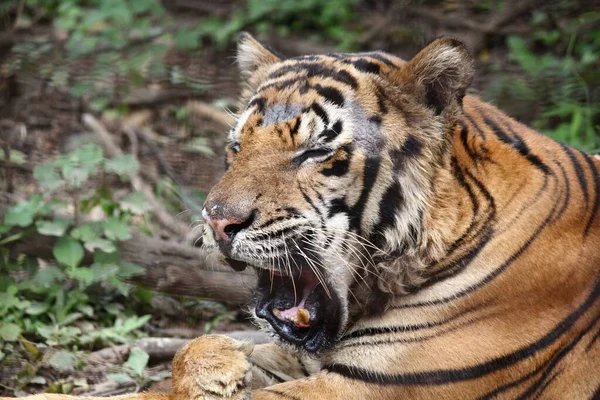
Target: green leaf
[[84, 232], [138, 359], [128, 270], [56, 227], [120, 378], [68, 252], [47, 177], [101, 257], [136, 203], [187, 39], [103, 271], [100, 244], [86, 309], [37, 308], [47, 276], [75, 175], [23, 213], [9, 332], [62, 361], [83, 275], [38, 380], [116, 230], [123, 165]]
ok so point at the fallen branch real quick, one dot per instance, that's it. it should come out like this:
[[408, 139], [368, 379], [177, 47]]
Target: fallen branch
[[162, 215], [212, 113], [13, 165], [161, 349]]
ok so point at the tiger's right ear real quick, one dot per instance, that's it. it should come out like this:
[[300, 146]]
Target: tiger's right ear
[[253, 57]]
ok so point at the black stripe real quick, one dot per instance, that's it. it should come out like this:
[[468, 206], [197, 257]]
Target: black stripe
[[418, 339], [287, 83], [444, 376], [381, 97], [273, 220], [388, 208], [294, 126], [518, 144], [567, 191], [495, 273], [368, 67], [259, 102], [269, 374], [596, 175], [338, 168], [483, 235], [321, 113], [592, 341], [317, 70], [370, 172], [303, 367], [596, 395], [331, 94], [553, 362], [404, 328], [578, 171], [377, 56], [331, 133]]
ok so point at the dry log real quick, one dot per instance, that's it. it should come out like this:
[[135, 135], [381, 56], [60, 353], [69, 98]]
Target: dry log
[[161, 349], [171, 267]]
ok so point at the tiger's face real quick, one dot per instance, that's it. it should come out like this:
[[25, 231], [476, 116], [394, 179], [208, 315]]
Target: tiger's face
[[329, 171]]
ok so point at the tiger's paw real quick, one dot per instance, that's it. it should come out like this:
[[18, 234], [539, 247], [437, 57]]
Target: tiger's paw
[[212, 367]]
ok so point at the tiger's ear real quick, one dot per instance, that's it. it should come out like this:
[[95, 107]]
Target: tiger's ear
[[441, 73], [253, 57]]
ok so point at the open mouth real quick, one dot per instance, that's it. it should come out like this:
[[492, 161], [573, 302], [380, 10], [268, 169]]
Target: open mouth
[[299, 308]]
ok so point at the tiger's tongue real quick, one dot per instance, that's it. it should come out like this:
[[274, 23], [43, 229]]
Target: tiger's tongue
[[307, 283]]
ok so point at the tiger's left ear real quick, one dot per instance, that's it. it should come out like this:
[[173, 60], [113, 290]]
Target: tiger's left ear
[[441, 74], [253, 57]]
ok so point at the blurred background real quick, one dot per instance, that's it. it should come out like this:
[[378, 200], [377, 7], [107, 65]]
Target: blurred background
[[113, 115]]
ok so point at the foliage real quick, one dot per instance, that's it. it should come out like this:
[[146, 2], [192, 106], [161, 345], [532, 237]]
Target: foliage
[[72, 301], [556, 94], [127, 42], [326, 17]]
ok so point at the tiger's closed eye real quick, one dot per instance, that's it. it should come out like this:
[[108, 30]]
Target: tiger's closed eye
[[314, 154]]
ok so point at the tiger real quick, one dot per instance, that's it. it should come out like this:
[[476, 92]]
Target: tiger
[[410, 240]]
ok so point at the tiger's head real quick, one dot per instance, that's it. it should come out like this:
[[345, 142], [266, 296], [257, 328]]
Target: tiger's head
[[328, 193]]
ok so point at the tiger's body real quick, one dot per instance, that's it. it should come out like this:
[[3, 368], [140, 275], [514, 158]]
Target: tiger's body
[[477, 271]]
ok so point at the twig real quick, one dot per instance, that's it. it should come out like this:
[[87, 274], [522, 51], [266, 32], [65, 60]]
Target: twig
[[20, 9], [14, 165], [8, 171], [162, 215], [211, 112]]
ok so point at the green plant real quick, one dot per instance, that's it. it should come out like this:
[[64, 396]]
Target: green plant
[[71, 300], [122, 43], [557, 93], [327, 17]]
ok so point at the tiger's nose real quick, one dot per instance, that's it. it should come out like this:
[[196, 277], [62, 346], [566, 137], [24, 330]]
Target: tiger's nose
[[226, 228]]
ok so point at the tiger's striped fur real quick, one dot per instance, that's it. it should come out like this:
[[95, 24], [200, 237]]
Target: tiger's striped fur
[[468, 245]]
